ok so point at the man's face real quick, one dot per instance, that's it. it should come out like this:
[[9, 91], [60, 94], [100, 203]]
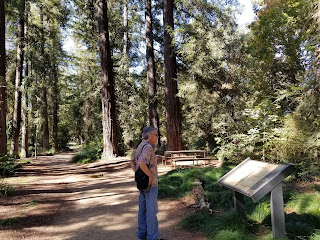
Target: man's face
[[153, 137]]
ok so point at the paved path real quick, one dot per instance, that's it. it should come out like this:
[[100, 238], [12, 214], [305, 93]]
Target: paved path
[[71, 201]]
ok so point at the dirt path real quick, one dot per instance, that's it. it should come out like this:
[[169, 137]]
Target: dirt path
[[56, 199]]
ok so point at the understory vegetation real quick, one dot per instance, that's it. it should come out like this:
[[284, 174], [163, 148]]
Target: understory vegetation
[[302, 210], [8, 166]]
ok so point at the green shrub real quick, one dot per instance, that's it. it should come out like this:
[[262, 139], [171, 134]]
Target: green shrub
[[90, 153], [6, 189], [8, 166]]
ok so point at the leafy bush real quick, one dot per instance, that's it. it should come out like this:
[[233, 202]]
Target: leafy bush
[[6, 189], [90, 153], [8, 166]]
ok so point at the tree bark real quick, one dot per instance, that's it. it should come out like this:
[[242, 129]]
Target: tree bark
[[25, 122], [44, 111], [16, 121], [55, 109], [3, 99], [173, 113], [110, 146], [125, 39], [25, 112], [151, 70]]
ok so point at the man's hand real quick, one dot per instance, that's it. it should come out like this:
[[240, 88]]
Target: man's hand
[[150, 180]]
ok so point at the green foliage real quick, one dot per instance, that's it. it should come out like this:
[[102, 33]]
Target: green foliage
[[260, 212], [179, 182], [195, 221], [229, 220], [315, 235], [8, 222], [6, 189], [8, 166], [231, 235], [33, 203], [64, 137], [90, 153], [302, 210]]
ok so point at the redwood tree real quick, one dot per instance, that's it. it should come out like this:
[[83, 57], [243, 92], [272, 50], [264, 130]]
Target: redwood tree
[[151, 69], [107, 79], [3, 135], [16, 121], [173, 113], [44, 98]]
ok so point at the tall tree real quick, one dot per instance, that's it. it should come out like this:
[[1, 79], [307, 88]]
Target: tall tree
[[107, 79], [3, 99], [151, 69], [16, 121], [44, 98], [25, 114], [173, 112], [125, 40], [24, 108], [55, 107]]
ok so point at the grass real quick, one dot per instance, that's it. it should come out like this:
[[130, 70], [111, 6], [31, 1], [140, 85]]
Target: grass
[[32, 203], [302, 211]]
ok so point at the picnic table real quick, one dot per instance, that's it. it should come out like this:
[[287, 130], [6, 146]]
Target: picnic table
[[184, 155]]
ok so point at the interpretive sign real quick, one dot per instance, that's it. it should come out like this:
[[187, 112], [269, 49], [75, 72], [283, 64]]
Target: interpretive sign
[[255, 179]]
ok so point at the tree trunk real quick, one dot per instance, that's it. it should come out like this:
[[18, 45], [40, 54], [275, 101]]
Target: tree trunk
[[55, 109], [25, 122], [151, 70], [44, 112], [3, 99], [173, 113], [25, 111], [108, 97], [16, 121], [125, 39], [45, 120]]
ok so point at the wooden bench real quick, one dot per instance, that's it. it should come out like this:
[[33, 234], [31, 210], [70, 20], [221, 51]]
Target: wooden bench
[[184, 155]]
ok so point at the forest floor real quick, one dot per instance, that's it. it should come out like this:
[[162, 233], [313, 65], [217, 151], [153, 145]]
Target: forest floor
[[57, 199]]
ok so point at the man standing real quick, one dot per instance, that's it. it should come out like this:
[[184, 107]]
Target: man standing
[[146, 159]]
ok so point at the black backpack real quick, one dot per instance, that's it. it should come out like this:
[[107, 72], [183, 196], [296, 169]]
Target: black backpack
[[140, 177]]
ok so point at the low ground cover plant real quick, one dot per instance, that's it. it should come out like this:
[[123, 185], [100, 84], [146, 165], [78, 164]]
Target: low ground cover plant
[[302, 210], [91, 152], [8, 166]]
